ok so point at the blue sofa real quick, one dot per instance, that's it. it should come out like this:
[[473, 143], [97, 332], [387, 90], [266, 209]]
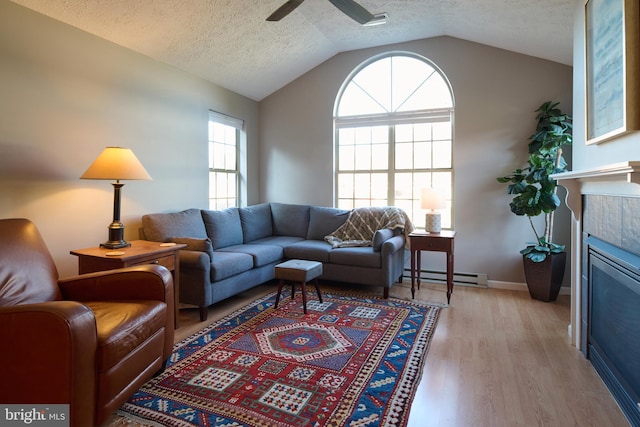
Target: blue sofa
[[232, 250]]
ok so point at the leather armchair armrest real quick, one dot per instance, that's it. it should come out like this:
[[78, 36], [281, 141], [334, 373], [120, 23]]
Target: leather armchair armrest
[[144, 282], [48, 356]]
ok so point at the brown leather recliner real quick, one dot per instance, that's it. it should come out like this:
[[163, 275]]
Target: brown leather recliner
[[89, 341]]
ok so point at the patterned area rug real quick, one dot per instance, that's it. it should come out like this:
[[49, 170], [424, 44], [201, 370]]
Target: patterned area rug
[[351, 361]]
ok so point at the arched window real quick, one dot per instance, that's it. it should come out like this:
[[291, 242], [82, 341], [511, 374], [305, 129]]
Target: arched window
[[394, 135]]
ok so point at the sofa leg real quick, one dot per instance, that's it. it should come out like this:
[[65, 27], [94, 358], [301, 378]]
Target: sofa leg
[[204, 312], [386, 293]]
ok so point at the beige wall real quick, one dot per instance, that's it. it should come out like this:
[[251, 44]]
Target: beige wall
[[496, 93], [64, 96]]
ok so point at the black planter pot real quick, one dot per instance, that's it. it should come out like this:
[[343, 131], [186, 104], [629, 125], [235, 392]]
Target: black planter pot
[[544, 279]]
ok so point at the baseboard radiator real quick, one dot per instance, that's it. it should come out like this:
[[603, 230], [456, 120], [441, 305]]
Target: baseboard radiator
[[463, 279]]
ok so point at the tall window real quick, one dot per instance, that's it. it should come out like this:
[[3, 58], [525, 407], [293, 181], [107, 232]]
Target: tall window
[[394, 136], [224, 176]]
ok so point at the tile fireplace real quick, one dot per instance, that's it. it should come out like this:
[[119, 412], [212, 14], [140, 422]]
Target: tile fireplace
[[605, 322]]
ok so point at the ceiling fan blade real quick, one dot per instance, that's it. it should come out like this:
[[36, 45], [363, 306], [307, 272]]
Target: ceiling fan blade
[[284, 10], [353, 10]]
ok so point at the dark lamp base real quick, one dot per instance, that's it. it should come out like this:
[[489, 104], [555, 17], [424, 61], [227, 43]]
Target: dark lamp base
[[116, 236], [115, 245]]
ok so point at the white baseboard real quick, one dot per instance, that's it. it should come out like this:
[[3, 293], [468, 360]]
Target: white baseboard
[[516, 286]]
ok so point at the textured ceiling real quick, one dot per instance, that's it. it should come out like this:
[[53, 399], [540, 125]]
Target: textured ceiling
[[229, 42]]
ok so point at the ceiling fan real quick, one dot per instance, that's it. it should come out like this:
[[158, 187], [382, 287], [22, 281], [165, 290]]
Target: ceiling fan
[[349, 7]]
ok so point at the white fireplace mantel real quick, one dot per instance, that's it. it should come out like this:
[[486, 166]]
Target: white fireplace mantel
[[619, 179]]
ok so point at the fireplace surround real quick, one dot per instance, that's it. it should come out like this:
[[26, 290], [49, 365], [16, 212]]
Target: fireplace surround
[[611, 317], [605, 275]]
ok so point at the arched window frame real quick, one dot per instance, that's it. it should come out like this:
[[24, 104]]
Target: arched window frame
[[395, 179]]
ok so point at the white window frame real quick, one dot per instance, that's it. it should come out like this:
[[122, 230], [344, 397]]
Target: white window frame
[[392, 119], [232, 169]]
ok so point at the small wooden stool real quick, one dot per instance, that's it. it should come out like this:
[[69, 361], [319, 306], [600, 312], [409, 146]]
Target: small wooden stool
[[298, 271]]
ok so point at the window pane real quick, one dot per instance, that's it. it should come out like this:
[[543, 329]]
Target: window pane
[[404, 133], [442, 154], [347, 136], [345, 186], [362, 186], [346, 155], [380, 156], [422, 132], [379, 185], [363, 157], [422, 155], [218, 155], [441, 130], [221, 185], [380, 134], [404, 187], [230, 157], [420, 181], [404, 156]]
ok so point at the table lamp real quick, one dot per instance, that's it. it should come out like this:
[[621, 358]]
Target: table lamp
[[430, 199], [116, 163]]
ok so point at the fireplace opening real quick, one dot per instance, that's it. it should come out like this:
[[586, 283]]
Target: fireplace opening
[[613, 319]]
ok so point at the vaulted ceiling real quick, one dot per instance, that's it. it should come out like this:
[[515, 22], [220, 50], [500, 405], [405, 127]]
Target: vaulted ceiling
[[230, 43]]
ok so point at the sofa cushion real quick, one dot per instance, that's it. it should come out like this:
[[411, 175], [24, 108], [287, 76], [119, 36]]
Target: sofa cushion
[[290, 220], [227, 264], [379, 237], [223, 227], [314, 250], [261, 254], [356, 256], [199, 245], [324, 221], [282, 241], [161, 227], [256, 222]]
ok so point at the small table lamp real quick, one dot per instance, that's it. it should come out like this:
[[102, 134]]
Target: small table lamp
[[116, 163], [430, 199]]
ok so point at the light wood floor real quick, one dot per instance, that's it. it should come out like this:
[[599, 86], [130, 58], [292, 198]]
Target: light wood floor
[[497, 358]]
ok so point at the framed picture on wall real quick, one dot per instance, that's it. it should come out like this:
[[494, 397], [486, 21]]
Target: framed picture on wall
[[612, 43]]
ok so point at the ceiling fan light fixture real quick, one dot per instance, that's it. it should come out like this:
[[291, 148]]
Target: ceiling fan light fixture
[[378, 19]]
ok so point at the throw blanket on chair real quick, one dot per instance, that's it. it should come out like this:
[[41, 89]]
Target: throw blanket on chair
[[362, 224]]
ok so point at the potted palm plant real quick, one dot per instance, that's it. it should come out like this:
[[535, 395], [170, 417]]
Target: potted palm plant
[[535, 193]]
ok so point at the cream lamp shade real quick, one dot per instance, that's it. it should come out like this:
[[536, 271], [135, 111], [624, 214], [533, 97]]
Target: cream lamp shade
[[431, 200], [116, 163]]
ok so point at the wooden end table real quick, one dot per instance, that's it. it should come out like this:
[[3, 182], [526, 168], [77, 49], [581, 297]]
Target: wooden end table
[[140, 252], [437, 242]]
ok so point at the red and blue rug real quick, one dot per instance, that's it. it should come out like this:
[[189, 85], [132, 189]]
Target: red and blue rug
[[351, 361]]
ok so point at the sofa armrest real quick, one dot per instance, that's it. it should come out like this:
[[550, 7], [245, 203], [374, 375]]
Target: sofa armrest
[[143, 282], [195, 278], [392, 245], [194, 260], [49, 356]]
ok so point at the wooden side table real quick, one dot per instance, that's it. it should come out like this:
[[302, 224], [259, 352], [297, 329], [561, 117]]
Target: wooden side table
[[140, 252], [438, 242]]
